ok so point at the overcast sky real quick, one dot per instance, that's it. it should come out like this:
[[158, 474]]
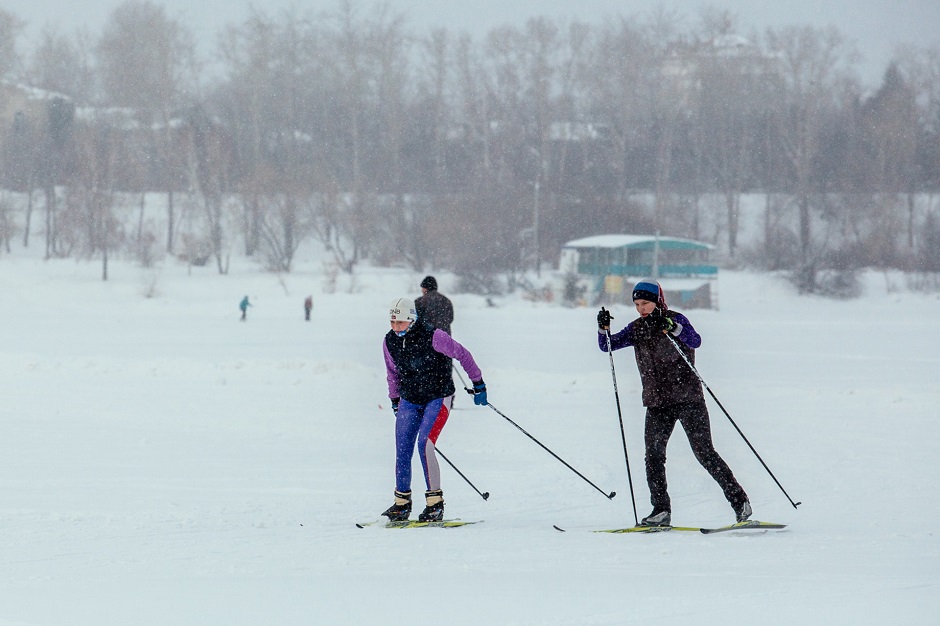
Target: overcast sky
[[876, 26]]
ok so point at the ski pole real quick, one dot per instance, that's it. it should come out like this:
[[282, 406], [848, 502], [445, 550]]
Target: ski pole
[[460, 376], [715, 398], [623, 435], [544, 447], [484, 494]]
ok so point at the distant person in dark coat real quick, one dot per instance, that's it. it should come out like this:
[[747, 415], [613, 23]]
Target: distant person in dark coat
[[243, 305], [308, 306], [434, 307]]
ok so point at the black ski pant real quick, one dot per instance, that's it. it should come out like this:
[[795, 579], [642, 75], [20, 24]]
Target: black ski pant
[[660, 422]]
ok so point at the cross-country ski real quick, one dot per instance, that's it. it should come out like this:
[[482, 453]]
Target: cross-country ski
[[746, 525], [404, 524]]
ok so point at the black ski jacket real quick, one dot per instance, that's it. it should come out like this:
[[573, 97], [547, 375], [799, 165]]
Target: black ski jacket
[[667, 378], [436, 308]]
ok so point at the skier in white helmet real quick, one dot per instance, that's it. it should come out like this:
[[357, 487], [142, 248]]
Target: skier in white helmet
[[421, 388]]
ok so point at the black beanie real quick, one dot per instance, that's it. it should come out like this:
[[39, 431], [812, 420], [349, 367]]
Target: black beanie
[[429, 283]]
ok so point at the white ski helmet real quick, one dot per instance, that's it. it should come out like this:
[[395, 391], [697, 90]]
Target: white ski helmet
[[403, 310]]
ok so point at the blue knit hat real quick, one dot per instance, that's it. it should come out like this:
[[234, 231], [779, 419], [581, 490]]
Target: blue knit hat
[[650, 290]]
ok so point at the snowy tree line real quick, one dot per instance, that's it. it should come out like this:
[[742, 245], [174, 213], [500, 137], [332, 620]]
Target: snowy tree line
[[440, 150]]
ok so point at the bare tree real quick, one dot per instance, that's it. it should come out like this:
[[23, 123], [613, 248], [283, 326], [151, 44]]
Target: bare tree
[[10, 29], [473, 86], [15, 164], [285, 224], [915, 115], [56, 161], [62, 64], [624, 72], [812, 70], [736, 79], [211, 170], [249, 104], [275, 107], [91, 195], [433, 91], [351, 77], [19, 162], [331, 221], [554, 54], [389, 51], [147, 61], [525, 65], [368, 73], [7, 223], [573, 132], [891, 116]]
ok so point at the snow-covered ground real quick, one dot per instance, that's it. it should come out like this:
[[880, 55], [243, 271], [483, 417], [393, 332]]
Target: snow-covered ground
[[163, 463]]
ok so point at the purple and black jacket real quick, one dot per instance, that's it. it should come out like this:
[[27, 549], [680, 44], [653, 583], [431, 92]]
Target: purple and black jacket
[[667, 379], [418, 364]]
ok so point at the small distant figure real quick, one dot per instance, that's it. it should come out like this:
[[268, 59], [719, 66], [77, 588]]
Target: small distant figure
[[244, 307], [308, 306], [433, 306]]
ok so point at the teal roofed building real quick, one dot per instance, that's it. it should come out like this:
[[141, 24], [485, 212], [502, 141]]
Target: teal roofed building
[[612, 263]]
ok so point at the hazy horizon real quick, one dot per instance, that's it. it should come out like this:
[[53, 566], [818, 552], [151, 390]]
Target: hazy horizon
[[876, 27]]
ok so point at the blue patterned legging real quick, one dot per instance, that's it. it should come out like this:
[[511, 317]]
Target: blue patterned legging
[[421, 424]]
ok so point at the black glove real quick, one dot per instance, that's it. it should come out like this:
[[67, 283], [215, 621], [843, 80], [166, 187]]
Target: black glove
[[395, 402], [603, 319], [658, 323], [479, 392]]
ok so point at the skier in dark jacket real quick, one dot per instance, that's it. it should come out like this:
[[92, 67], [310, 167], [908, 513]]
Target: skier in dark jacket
[[671, 393], [421, 388], [433, 306]]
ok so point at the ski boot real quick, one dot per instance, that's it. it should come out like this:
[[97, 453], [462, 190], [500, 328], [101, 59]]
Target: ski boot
[[434, 511], [399, 511], [659, 517], [743, 512]]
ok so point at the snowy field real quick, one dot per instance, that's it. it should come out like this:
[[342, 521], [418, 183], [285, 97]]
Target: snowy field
[[163, 463]]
